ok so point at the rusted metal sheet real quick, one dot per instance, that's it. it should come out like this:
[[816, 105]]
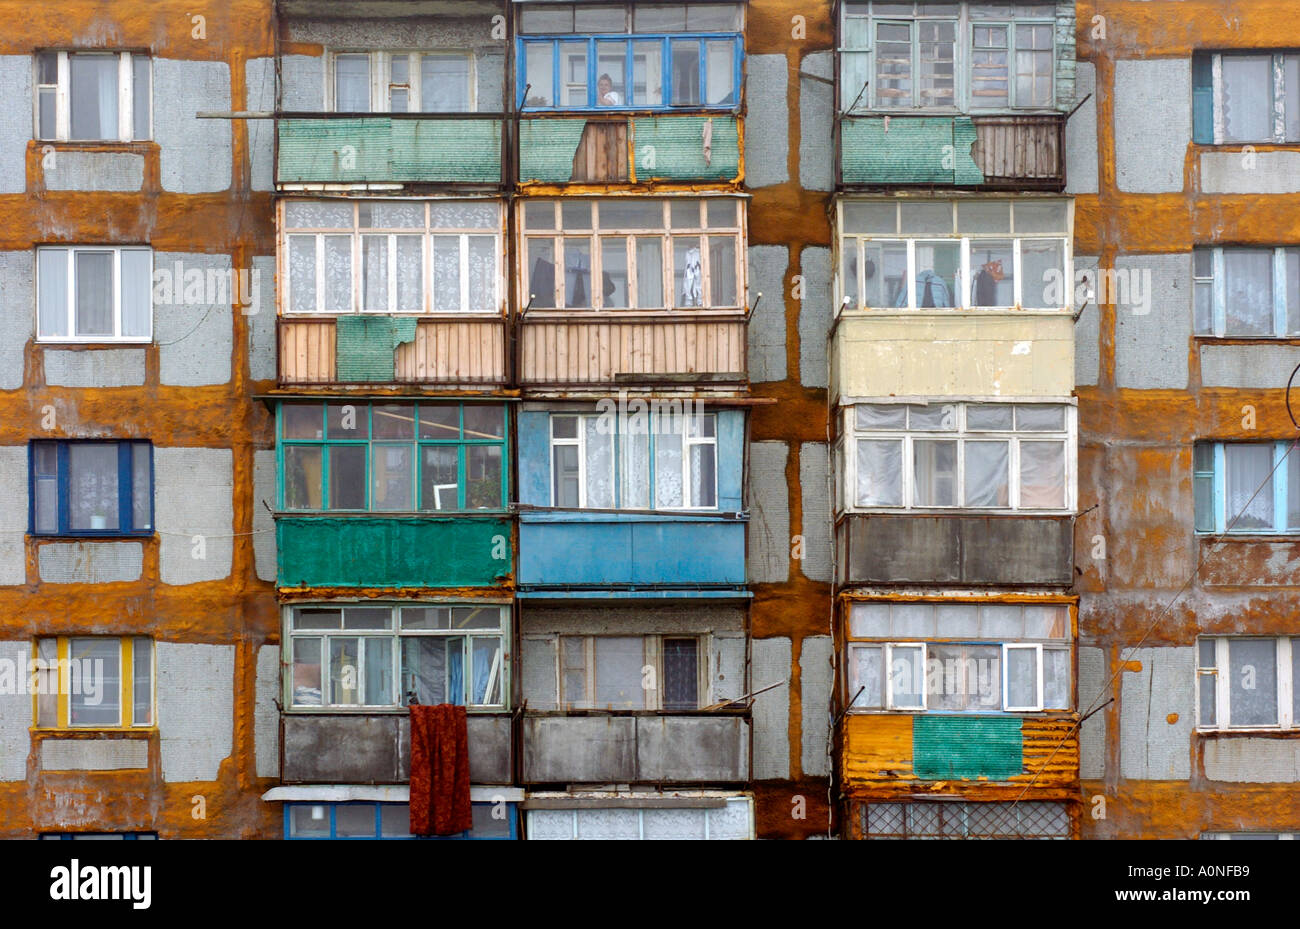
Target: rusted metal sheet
[[603, 348], [444, 351]]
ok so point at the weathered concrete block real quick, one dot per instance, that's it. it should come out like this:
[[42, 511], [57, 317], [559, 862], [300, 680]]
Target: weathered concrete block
[[1087, 350], [772, 662], [263, 524], [90, 562], [110, 367], [17, 300], [769, 505], [259, 80], [815, 677], [260, 313], [193, 497], [1253, 173], [266, 715], [15, 122], [767, 129], [1151, 747], [1259, 367], [768, 265], [1149, 153], [1252, 761], [13, 514], [1081, 134], [815, 317], [15, 717], [94, 754], [303, 81], [1092, 735], [195, 708], [814, 487], [194, 331], [195, 154], [817, 123], [73, 170], [1151, 338]]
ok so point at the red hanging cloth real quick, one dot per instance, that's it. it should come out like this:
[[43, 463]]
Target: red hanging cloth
[[440, 803]]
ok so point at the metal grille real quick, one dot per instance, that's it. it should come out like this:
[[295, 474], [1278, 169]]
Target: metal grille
[[1031, 820]]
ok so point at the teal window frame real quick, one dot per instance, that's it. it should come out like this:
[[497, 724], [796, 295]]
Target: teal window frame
[[325, 444], [1209, 475]]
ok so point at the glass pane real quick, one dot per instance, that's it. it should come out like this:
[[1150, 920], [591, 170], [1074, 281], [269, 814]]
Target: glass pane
[[893, 65], [611, 66], [378, 689], [992, 263], [1033, 65], [935, 474], [681, 674], [1293, 285], [575, 215], [1056, 679], [1252, 689], [567, 477], [880, 473], [866, 684], [137, 295], [704, 475], [538, 74], [302, 477], [541, 273], [989, 85], [347, 421], [881, 416], [439, 483], [347, 477], [543, 17], [302, 420], [987, 474], [686, 72], [1248, 283], [464, 215], [485, 664], [647, 74], [871, 217], [911, 620], [142, 681], [1248, 468], [345, 673], [444, 83], [317, 214], [1022, 678], [668, 469], [484, 422], [94, 288], [482, 273], [687, 273], [1203, 299], [1291, 67], [352, 820], [439, 421], [394, 420], [446, 273], [980, 216], [338, 274], [302, 273], [722, 271], [603, 18], [52, 284], [352, 83], [390, 214], [391, 473], [141, 486], [306, 671], [885, 267], [618, 673], [92, 486], [599, 464], [926, 218], [573, 73], [719, 65], [374, 272], [1042, 263], [613, 272], [577, 273], [93, 98], [869, 620], [650, 274], [95, 682], [634, 466], [426, 668], [48, 108], [938, 266], [659, 17], [963, 677], [937, 417], [483, 477], [1247, 98], [1042, 475], [988, 417], [1037, 418], [938, 48], [140, 95], [906, 677], [957, 619], [308, 821]]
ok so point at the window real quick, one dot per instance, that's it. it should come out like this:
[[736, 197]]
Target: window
[[947, 56], [94, 682], [1027, 819], [1246, 97], [920, 254], [1246, 487], [631, 56], [386, 821], [393, 457], [439, 81], [110, 836], [631, 673], [1239, 836], [959, 657], [985, 456], [1247, 292], [92, 96], [682, 253], [94, 294], [393, 256], [91, 488], [1244, 682], [391, 655], [659, 461]]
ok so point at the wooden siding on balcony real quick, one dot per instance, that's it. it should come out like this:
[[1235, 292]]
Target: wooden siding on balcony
[[1020, 148], [443, 352], [605, 349]]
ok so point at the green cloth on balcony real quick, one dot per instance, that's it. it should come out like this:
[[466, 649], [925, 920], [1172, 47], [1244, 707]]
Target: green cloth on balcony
[[365, 346]]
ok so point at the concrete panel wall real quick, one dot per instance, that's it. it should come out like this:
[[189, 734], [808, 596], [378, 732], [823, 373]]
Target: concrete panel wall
[[814, 317], [727, 665], [1252, 761], [1151, 346], [112, 367], [15, 716], [816, 122], [1250, 367], [1252, 172], [195, 154], [90, 562], [769, 505], [815, 676], [768, 265], [195, 708], [1149, 152], [94, 754], [302, 80], [15, 122], [1152, 747], [261, 324], [13, 514], [815, 524], [1087, 331], [194, 331], [266, 714], [17, 311], [72, 170], [263, 525], [259, 78], [1092, 735], [772, 662], [954, 355], [192, 497], [1081, 134], [767, 128]]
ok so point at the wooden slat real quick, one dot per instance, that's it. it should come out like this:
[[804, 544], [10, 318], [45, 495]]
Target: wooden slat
[[596, 351]]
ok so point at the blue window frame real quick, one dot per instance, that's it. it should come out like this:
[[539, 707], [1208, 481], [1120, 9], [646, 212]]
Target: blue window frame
[[90, 488], [665, 71], [350, 821], [1248, 486], [73, 836]]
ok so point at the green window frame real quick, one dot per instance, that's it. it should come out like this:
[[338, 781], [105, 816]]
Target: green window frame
[[401, 469]]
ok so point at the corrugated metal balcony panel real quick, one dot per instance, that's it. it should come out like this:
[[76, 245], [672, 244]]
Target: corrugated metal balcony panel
[[386, 150]]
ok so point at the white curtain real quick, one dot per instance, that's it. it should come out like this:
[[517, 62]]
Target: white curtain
[[1247, 468], [880, 472], [1042, 474]]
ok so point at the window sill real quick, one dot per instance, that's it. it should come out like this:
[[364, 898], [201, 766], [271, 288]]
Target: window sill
[[552, 713], [954, 512], [94, 732], [138, 146], [92, 535], [1273, 733], [1204, 339], [1208, 538], [690, 109], [953, 311], [383, 710], [91, 343], [1021, 714], [385, 514]]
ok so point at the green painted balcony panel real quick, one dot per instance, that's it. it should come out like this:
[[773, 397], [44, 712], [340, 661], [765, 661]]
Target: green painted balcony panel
[[581, 150], [966, 747], [382, 149], [368, 551]]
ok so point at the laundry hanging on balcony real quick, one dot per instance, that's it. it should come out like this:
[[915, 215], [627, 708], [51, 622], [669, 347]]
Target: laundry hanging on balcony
[[440, 795]]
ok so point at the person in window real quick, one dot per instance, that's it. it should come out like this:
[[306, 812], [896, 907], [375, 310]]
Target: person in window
[[606, 95]]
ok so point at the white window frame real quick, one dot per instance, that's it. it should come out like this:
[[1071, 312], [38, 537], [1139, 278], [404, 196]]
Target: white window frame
[[964, 47], [684, 421], [71, 318], [1222, 672], [380, 77], [63, 96], [1217, 284], [652, 657], [1007, 649], [665, 233], [53, 677], [964, 276], [960, 434], [1279, 96], [427, 236]]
